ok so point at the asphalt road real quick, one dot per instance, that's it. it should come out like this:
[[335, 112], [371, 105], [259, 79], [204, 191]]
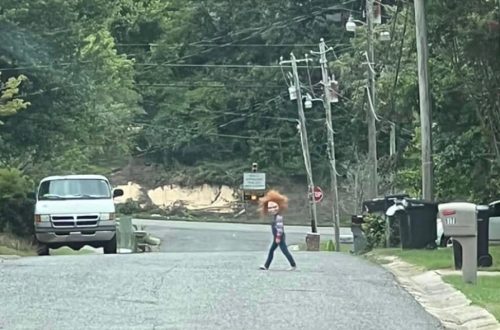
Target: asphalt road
[[204, 290], [180, 236]]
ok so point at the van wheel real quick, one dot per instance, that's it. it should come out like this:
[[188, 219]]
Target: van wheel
[[110, 246], [42, 249]]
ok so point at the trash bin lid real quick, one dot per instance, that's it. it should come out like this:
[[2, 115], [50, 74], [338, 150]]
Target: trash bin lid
[[397, 196], [374, 205], [495, 209], [420, 203], [393, 209]]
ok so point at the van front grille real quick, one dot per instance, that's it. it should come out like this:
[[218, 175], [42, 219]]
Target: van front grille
[[87, 217], [87, 220], [63, 221], [75, 221]]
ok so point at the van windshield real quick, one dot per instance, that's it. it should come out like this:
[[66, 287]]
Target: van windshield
[[74, 189]]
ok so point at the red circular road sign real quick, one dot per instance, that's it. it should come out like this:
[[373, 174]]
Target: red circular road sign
[[318, 194]]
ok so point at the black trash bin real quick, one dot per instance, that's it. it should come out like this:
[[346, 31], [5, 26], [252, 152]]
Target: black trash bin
[[484, 258], [417, 224], [359, 239], [390, 200], [381, 205], [376, 205]]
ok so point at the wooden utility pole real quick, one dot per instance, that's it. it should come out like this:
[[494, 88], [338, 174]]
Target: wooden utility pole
[[392, 152], [331, 142], [424, 96], [372, 128], [304, 141]]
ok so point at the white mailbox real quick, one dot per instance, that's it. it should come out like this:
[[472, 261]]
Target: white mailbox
[[459, 219], [460, 223]]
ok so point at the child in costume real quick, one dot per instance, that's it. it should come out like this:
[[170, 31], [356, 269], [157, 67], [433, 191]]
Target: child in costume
[[275, 204]]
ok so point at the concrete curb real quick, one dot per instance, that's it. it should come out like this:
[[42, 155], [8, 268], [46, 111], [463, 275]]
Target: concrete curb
[[445, 272], [450, 306]]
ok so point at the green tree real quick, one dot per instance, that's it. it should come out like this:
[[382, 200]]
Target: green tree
[[81, 90], [10, 103]]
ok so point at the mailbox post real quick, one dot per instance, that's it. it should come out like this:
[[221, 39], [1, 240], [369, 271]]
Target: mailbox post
[[460, 223]]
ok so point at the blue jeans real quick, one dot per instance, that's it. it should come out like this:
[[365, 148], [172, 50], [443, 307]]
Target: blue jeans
[[283, 248]]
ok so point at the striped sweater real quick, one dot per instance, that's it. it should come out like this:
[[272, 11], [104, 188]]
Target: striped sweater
[[277, 226]]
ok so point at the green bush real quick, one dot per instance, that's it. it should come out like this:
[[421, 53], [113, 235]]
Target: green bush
[[375, 231], [17, 216], [16, 209], [129, 207], [13, 182], [330, 246]]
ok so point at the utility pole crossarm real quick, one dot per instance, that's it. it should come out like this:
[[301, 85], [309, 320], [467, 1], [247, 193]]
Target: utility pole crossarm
[[294, 60]]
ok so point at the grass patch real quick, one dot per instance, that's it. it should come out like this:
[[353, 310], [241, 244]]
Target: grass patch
[[428, 259], [485, 293], [323, 246], [7, 251], [11, 245], [441, 258]]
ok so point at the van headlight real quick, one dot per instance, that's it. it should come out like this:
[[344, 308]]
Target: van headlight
[[107, 216], [42, 218]]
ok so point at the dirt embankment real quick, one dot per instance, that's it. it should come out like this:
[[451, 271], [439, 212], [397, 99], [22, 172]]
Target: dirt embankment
[[153, 189]]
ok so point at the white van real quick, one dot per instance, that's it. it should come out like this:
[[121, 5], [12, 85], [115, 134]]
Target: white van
[[74, 211]]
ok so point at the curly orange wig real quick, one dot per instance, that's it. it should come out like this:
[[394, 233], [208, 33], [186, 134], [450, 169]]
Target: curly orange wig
[[273, 196]]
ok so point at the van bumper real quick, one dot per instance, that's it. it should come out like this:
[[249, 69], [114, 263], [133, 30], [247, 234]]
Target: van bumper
[[49, 235]]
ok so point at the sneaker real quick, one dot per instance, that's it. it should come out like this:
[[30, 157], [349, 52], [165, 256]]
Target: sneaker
[[262, 268], [292, 268]]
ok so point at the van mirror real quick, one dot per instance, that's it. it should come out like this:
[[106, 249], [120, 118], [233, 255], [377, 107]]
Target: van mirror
[[31, 195], [117, 193]]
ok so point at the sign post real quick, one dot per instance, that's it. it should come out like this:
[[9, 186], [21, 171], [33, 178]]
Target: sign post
[[318, 194], [254, 185], [254, 181]]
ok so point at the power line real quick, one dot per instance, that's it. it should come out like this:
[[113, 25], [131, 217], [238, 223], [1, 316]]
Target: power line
[[173, 65], [212, 45], [207, 86], [230, 66], [338, 47], [196, 130], [257, 32]]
